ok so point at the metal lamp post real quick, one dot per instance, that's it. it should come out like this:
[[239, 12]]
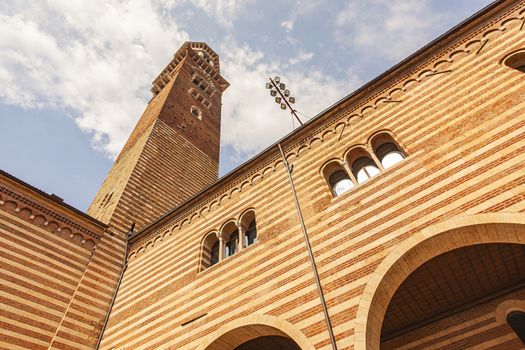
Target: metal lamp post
[[277, 87]]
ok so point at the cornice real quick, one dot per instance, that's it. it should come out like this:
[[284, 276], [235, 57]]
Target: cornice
[[37, 213]]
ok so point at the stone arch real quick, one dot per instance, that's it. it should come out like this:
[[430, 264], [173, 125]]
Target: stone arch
[[78, 238], [506, 307], [247, 328], [355, 152], [25, 213], [206, 247], [246, 215], [330, 166], [89, 244], [413, 252], [227, 228], [382, 136], [248, 224], [39, 220]]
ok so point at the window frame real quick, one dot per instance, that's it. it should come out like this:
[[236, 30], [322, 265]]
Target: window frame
[[342, 176], [199, 112], [331, 167], [515, 60]]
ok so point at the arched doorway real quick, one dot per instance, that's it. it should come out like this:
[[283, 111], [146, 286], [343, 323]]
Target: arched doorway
[[393, 288], [451, 300], [257, 332], [269, 343]]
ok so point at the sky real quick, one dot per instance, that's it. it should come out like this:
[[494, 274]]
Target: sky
[[75, 75]]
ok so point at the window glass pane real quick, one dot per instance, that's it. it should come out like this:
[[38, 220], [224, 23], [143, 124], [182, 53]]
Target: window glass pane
[[366, 173], [364, 168], [231, 245], [340, 182], [384, 149], [372, 170], [215, 254], [362, 176], [342, 186], [251, 234], [391, 158]]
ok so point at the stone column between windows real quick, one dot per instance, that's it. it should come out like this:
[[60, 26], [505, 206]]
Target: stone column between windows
[[348, 170], [376, 160], [242, 232], [222, 248]]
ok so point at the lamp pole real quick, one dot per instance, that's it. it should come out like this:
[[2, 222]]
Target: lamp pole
[[276, 86]]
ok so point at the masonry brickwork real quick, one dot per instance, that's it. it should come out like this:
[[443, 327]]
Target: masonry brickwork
[[456, 111], [59, 270], [445, 226], [171, 154]]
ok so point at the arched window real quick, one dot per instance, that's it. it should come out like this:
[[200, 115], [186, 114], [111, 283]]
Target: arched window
[[230, 234], [386, 149], [250, 237], [210, 250], [516, 61], [516, 321], [249, 227], [196, 112], [340, 182], [337, 177], [232, 242], [389, 154], [214, 255], [364, 168]]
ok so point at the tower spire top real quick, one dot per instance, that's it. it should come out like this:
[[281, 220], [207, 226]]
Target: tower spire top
[[204, 59]]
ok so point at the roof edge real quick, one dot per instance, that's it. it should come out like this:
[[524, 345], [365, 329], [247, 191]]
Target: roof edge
[[52, 199], [404, 65]]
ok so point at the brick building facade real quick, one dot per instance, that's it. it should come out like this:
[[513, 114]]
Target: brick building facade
[[395, 219]]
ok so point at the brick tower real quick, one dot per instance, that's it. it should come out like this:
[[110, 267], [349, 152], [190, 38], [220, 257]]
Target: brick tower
[[173, 152]]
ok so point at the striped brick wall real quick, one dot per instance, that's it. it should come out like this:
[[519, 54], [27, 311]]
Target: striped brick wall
[[58, 271], [457, 113]]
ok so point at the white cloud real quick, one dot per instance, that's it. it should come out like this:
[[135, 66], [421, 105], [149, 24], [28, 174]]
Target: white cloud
[[288, 25], [93, 59], [251, 120], [303, 56], [389, 29], [300, 10], [95, 62], [221, 11]]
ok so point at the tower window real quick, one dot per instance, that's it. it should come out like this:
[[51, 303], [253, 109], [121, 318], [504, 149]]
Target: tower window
[[340, 182], [516, 61], [203, 86], [516, 321], [196, 112]]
